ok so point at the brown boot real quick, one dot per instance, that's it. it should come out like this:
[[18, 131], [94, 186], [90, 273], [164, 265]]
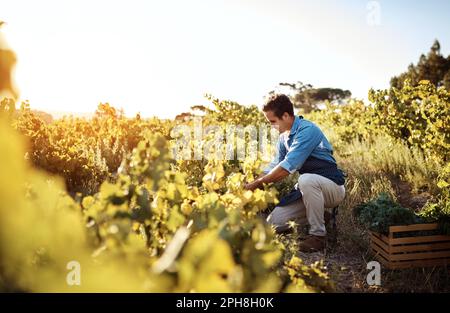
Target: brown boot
[[313, 244]]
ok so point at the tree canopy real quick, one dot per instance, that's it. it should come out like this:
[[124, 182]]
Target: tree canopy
[[433, 67]]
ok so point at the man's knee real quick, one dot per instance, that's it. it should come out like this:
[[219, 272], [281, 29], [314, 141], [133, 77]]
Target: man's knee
[[306, 181], [281, 216], [276, 217]]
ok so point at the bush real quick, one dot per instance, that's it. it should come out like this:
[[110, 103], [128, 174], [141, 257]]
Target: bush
[[418, 115], [381, 213]]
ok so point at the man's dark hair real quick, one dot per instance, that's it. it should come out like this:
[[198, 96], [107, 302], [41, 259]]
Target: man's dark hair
[[278, 104]]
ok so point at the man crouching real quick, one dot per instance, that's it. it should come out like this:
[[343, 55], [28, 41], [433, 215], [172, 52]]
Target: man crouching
[[304, 148]]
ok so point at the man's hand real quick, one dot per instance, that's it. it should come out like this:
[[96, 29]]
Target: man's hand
[[253, 185], [276, 174]]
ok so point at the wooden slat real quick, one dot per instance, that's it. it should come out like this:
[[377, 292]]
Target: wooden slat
[[420, 256], [418, 263], [381, 258], [375, 234], [413, 227], [381, 237], [379, 250], [419, 239], [420, 248], [412, 251], [385, 238], [380, 243]]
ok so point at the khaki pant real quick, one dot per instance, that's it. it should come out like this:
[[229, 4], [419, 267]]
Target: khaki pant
[[318, 193]]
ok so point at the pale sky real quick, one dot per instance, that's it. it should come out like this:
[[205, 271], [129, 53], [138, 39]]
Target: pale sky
[[161, 57]]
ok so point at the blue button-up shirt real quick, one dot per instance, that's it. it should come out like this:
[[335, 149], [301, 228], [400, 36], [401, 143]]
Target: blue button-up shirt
[[306, 149], [305, 139]]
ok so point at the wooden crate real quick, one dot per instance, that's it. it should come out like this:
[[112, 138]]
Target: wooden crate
[[414, 250]]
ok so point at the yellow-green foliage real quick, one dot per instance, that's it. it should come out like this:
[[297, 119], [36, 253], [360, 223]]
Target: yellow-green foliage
[[346, 122], [419, 115], [114, 198], [147, 231]]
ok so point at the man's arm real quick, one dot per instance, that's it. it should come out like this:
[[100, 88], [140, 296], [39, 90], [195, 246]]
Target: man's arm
[[276, 174], [299, 150]]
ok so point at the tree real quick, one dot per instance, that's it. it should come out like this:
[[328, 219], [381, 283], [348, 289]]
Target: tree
[[308, 99], [105, 110], [433, 67], [46, 117]]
